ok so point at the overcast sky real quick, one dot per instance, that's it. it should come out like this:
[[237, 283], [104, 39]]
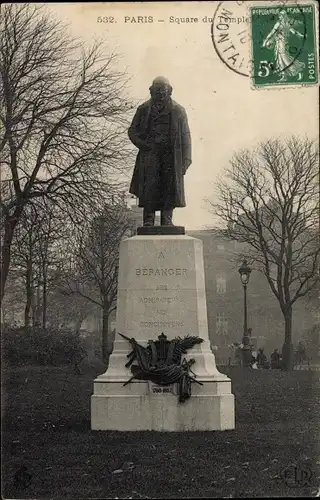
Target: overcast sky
[[225, 114]]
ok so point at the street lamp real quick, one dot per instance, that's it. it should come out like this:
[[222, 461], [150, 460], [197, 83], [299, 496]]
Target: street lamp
[[244, 272]]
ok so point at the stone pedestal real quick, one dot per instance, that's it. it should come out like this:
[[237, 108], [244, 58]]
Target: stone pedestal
[[161, 288]]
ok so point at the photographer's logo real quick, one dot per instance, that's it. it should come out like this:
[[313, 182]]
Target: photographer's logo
[[296, 476]]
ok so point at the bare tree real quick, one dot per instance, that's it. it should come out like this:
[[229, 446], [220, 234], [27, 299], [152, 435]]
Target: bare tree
[[24, 259], [37, 255], [63, 120], [96, 263], [49, 257], [268, 200]]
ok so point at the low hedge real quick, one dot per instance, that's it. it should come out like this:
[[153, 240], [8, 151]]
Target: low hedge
[[44, 347]]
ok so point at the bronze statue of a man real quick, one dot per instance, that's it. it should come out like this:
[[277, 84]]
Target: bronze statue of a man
[[160, 131]]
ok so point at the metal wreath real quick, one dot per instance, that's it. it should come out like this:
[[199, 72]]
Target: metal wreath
[[160, 362]]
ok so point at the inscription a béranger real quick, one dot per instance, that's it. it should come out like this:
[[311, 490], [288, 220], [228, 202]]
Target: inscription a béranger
[[171, 271]]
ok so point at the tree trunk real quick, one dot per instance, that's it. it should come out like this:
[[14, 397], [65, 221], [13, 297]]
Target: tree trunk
[[287, 348], [78, 324], [37, 308], [44, 302], [9, 227], [34, 309], [29, 294]]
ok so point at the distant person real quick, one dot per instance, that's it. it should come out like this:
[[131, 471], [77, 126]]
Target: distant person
[[275, 360], [301, 353], [262, 360], [254, 364], [246, 351]]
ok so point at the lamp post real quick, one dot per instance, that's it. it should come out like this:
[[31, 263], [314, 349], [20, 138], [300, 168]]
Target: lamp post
[[244, 272]]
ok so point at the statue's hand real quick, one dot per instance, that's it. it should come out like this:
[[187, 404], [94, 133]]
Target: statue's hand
[[147, 145], [161, 139]]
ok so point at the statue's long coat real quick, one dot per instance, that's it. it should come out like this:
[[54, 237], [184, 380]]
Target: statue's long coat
[[181, 140]]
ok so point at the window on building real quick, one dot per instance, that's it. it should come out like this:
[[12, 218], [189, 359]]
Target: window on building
[[221, 283], [220, 246], [221, 324]]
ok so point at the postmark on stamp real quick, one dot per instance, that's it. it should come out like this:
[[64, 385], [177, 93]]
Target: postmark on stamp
[[283, 45]]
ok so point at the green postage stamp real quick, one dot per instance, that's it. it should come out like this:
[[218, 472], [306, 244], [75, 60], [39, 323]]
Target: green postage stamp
[[284, 50]]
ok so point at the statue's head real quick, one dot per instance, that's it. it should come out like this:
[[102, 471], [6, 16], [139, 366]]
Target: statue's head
[[283, 16], [160, 89]]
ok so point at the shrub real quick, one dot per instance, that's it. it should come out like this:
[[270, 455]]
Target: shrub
[[44, 347]]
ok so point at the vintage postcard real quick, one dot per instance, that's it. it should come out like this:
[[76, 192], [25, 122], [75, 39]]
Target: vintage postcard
[[160, 249]]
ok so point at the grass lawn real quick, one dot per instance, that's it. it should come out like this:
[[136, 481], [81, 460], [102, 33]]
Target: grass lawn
[[46, 428]]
